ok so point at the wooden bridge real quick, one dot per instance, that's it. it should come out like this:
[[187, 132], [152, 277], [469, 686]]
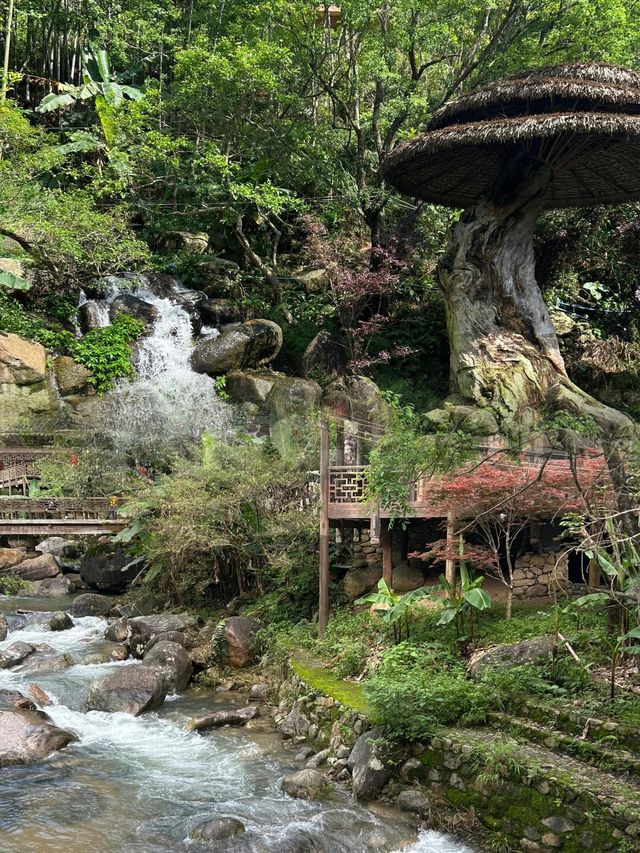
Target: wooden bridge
[[58, 517]]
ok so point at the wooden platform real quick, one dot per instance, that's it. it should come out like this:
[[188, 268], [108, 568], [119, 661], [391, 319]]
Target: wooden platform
[[60, 527], [58, 517]]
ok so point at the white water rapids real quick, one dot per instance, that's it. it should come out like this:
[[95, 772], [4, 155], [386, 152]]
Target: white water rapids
[[140, 785]]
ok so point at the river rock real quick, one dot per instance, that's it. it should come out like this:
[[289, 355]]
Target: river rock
[[170, 637], [38, 568], [48, 663], [15, 654], [251, 386], [89, 316], [234, 717], [71, 376], [39, 695], [53, 587], [295, 724], [174, 664], [143, 628], [104, 567], [14, 699], [27, 736], [415, 801], [127, 303], [60, 621], [240, 634], [238, 346], [60, 547], [307, 784], [133, 689], [118, 631], [217, 829], [10, 557], [4, 628], [325, 358], [534, 650], [291, 395], [371, 763], [219, 312], [22, 362], [259, 692], [91, 604]]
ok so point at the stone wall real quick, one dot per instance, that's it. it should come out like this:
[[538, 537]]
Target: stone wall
[[538, 576]]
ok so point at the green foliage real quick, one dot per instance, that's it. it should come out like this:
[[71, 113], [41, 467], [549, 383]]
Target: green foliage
[[13, 585], [106, 351], [393, 608]]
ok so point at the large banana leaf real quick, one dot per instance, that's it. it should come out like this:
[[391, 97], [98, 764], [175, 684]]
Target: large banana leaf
[[9, 281]]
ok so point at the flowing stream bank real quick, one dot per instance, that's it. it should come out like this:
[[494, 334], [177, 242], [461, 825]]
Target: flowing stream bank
[[141, 784]]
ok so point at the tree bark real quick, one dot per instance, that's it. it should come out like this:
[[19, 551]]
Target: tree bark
[[505, 356]]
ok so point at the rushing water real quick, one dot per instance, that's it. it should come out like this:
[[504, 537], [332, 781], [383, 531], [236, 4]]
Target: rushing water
[[167, 403], [140, 785]]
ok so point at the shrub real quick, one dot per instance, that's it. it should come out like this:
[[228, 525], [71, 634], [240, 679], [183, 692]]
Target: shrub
[[106, 351]]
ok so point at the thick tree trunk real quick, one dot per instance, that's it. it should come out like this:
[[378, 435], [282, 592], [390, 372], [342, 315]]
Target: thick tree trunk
[[505, 356]]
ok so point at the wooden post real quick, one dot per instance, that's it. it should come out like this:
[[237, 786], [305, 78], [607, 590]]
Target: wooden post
[[450, 565], [595, 575], [323, 592], [387, 553], [340, 444]]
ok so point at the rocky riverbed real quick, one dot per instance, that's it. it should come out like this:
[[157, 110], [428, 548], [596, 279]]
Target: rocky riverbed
[[84, 770]]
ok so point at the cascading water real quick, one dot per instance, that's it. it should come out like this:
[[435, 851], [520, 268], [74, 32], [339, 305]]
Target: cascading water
[[167, 404], [140, 785]]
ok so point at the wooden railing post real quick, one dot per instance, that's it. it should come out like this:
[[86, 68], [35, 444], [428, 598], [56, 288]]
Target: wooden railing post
[[323, 592], [450, 564], [387, 553]]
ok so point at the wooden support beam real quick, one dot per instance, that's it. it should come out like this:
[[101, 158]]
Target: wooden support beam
[[323, 592], [595, 574], [450, 565], [387, 554]]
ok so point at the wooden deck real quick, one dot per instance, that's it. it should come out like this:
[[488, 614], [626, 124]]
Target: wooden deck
[[58, 517], [347, 486]]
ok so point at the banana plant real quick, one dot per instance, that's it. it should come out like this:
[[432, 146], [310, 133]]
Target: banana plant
[[463, 599], [100, 85], [394, 609]]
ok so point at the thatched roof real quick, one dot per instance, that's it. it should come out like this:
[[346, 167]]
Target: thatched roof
[[582, 119]]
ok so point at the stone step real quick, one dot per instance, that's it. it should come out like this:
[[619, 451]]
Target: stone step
[[595, 753], [577, 722]]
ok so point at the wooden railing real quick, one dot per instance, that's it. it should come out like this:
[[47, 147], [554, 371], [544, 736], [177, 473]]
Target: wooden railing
[[16, 509]]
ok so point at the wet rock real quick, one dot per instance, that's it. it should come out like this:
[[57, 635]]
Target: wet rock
[[27, 736], [39, 695], [250, 386], [305, 753], [60, 547], [371, 763], [259, 693], [239, 346], [3, 627], [127, 303], [143, 628], [535, 650], [132, 689], [38, 568], [217, 829], [234, 717], [300, 842], [170, 637], [53, 587], [118, 631], [22, 362], [89, 316], [324, 358], [307, 785], [119, 652], [60, 621], [15, 654], [414, 801], [48, 663], [173, 663], [91, 604], [240, 634], [107, 568], [10, 557], [71, 376], [14, 699], [318, 759], [295, 724], [219, 312], [291, 395]]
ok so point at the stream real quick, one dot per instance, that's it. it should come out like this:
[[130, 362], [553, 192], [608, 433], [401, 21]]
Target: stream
[[141, 784]]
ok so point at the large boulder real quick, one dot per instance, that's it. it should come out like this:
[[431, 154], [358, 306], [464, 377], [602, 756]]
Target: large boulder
[[251, 386], [356, 397], [361, 579], [10, 557], [107, 568], [240, 634], [37, 568], [238, 346], [27, 736], [57, 587], [71, 377], [219, 312], [127, 303], [190, 242], [14, 699], [407, 577], [15, 654], [22, 362], [173, 663], [324, 358], [141, 629], [60, 547], [60, 621], [371, 763], [133, 689], [534, 650], [307, 784], [313, 279], [90, 316], [217, 829], [91, 604], [291, 395]]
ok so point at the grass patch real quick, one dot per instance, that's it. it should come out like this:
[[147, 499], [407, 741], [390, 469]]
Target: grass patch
[[321, 679]]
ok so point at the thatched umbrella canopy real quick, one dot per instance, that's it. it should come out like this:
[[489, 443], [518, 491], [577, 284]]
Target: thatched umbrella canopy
[[564, 136], [582, 120]]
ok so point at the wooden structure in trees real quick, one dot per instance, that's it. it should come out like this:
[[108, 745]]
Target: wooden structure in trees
[[58, 517]]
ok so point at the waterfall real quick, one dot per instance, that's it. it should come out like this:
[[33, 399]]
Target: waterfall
[[167, 404]]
